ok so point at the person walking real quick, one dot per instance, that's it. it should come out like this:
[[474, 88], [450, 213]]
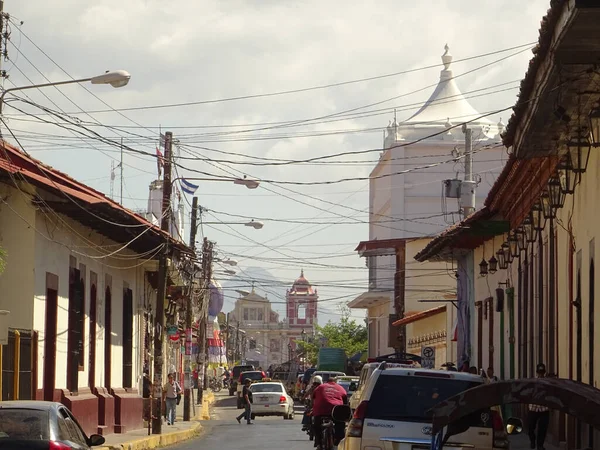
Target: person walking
[[538, 417], [170, 392], [247, 402]]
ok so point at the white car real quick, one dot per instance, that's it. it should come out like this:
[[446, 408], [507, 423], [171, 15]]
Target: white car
[[271, 399], [393, 412]]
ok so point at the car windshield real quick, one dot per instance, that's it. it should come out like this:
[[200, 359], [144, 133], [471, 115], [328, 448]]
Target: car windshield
[[409, 398], [25, 424], [266, 387]]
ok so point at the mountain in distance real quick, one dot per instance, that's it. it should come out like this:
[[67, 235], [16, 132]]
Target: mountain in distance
[[265, 284]]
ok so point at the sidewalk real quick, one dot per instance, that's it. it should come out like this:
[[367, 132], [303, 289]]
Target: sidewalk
[[171, 434]]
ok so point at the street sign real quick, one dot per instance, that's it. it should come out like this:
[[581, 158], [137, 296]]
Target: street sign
[[428, 357]]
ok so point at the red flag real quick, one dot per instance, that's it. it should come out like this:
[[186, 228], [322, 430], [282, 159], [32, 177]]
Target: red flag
[[159, 161]]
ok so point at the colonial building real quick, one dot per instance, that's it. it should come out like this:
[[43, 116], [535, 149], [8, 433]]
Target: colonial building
[[409, 203], [302, 304], [269, 340], [527, 260], [78, 283]]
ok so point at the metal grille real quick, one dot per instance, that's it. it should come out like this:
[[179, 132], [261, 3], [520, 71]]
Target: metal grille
[[26, 382]]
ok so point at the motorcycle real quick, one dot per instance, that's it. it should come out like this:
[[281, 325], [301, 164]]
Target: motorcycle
[[215, 385]]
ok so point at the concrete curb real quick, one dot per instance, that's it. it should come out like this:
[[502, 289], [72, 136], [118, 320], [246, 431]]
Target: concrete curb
[[175, 437], [157, 441]]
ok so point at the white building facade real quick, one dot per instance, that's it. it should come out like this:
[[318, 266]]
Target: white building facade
[[407, 202]]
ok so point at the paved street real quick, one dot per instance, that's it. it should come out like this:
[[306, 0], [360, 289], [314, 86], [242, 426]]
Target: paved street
[[224, 433]]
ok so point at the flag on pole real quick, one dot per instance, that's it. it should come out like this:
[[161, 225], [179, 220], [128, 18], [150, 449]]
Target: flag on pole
[[188, 187], [159, 161]]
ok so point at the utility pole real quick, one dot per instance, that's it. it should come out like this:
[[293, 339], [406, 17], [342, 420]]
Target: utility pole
[[121, 171], [207, 255], [159, 314], [187, 385], [467, 188]]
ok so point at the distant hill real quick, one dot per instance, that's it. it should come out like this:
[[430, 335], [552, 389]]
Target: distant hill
[[265, 284]]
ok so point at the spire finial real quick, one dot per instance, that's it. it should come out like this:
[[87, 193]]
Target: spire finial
[[302, 272], [446, 57]]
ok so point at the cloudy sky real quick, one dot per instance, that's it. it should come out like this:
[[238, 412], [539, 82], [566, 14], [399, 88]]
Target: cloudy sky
[[201, 69]]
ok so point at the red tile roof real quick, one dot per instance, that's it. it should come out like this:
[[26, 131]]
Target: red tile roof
[[420, 315], [80, 202]]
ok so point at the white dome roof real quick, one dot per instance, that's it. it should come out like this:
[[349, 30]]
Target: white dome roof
[[445, 107]]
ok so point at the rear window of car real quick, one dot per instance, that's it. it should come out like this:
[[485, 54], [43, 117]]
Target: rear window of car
[[408, 398], [25, 424], [265, 387], [239, 369], [255, 376]]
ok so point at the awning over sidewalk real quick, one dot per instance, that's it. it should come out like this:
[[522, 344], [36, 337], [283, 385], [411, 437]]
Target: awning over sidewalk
[[420, 316], [371, 298]]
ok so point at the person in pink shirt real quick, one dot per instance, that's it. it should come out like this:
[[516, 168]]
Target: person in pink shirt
[[326, 397]]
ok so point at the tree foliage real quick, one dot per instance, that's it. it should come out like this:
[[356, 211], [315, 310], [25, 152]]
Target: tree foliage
[[346, 334]]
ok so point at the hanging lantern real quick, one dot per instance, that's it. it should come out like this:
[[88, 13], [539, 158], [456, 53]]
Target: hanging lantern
[[483, 267], [594, 119], [529, 230], [555, 192], [493, 262], [549, 213], [579, 150], [537, 216], [568, 178], [513, 242], [521, 238], [501, 255], [508, 257]]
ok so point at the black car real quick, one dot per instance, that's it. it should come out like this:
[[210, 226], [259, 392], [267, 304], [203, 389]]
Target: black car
[[42, 425], [235, 373]]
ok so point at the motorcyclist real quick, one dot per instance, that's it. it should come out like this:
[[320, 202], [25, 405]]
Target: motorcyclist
[[226, 378], [325, 398], [307, 399]]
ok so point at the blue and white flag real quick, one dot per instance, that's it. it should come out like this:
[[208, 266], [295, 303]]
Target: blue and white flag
[[188, 187]]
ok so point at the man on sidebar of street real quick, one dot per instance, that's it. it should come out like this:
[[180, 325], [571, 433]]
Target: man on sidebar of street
[[325, 398]]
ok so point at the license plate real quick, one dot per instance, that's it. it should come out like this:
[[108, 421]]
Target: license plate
[[266, 406], [264, 399]]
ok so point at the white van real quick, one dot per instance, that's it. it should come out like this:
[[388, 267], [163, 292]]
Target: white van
[[395, 404], [365, 373]]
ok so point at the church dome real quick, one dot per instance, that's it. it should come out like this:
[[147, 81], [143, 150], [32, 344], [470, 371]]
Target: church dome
[[446, 107], [301, 285]]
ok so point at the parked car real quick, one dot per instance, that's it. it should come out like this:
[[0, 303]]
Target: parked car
[[271, 399], [366, 372], [235, 373], [253, 375], [40, 425], [349, 384], [397, 401]]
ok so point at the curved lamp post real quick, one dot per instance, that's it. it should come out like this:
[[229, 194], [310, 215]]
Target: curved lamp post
[[116, 78]]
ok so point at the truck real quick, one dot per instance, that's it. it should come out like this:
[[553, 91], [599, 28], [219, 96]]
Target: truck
[[332, 359]]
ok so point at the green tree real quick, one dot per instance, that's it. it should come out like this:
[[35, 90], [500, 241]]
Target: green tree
[[346, 334]]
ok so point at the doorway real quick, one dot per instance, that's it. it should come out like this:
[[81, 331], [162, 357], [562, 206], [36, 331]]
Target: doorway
[[50, 332], [92, 339]]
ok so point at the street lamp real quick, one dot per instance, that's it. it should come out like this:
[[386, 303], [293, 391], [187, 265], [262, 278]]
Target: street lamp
[[547, 209], [513, 242], [568, 178], [250, 184], [579, 150], [556, 193], [521, 238], [116, 79], [257, 225], [594, 119], [528, 228], [501, 255]]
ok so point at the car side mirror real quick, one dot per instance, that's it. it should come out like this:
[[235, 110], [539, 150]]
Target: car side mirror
[[514, 426], [95, 440], [342, 413]]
